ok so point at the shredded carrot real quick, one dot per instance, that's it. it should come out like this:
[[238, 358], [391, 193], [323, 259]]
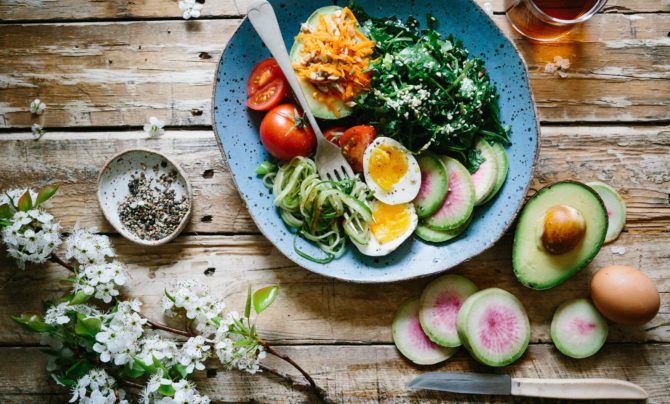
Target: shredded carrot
[[335, 58]]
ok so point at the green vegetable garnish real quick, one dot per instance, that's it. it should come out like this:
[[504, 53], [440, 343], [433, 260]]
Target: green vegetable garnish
[[426, 91]]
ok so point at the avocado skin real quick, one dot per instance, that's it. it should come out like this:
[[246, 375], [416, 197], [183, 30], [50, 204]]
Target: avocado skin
[[519, 259]]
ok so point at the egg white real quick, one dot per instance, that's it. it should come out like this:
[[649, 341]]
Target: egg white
[[374, 248], [403, 191]]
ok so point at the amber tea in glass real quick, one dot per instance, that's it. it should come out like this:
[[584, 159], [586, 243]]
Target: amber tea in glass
[[545, 20]]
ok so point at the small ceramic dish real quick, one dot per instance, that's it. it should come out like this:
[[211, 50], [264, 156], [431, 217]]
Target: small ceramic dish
[[113, 187]]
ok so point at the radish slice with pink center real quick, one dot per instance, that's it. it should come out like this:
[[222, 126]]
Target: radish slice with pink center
[[484, 179], [494, 327], [615, 206], [410, 339], [460, 201], [440, 303], [578, 330]]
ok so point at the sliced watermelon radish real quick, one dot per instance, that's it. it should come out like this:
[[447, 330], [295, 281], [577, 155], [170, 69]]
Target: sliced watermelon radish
[[410, 339], [460, 201], [485, 177], [434, 185], [439, 236], [578, 329], [493, 326], [615, 206], [439, 305], [503, 168]]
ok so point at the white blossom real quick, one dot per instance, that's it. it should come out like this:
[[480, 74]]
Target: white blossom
[[37, 107], [118, 339], [101, 280], [195, 301], [164, 350], [87, 248], [184, 392], [58, 314], [31, 236], [245, 357], [190, 8], [154, 127], [193, 354], [37, 130], [96, 387]]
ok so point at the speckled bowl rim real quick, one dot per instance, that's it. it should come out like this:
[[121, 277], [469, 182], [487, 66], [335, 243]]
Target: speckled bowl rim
[[122, 231], [487, 247]]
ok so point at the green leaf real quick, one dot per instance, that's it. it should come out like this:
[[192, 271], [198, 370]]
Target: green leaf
[[263, 298], [216, 320], [134, 369], [45, 194], [166, 390], [25, 202], [64, 381], [247, 307], [87, 327], [5, 211], [169, 296], [33, 322], [5, 222], [79, 297], [181, 370], [78, 370]]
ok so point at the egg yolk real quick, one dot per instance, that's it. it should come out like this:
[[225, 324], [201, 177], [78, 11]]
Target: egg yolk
[[389, 222], [387, 166]]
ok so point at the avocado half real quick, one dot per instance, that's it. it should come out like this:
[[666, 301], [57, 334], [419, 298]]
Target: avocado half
[[534, 266], [319, 109]]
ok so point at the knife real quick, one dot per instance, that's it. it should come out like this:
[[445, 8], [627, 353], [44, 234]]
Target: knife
[[575, 389]]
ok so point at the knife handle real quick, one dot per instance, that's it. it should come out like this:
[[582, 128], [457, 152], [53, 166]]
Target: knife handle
[[578, 389]]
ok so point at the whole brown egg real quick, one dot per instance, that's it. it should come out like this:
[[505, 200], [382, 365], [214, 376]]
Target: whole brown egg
[[625, 295]]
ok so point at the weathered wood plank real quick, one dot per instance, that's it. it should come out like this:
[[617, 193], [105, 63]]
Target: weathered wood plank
[[315, 309], [119, 74], [632, 159], [118, 9], [375, 373]]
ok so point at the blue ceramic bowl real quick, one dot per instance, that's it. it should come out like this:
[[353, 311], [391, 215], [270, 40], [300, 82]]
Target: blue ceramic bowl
[[237, 132]]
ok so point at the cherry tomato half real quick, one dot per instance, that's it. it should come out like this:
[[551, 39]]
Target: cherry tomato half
[[354, 141], [263, 73], [285, 133], [269, 96], [334, 134]]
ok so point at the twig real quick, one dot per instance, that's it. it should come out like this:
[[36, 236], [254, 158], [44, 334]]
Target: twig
[[319, 392], [164, 327], [58, 260]]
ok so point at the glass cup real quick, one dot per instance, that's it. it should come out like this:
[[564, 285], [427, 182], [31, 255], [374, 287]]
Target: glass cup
[[546, 20]]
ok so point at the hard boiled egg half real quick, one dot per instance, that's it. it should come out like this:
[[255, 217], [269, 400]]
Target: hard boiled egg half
[[391, 171], [390, 226]]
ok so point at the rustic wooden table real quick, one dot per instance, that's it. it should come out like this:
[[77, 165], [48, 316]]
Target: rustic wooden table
[[104, 67]]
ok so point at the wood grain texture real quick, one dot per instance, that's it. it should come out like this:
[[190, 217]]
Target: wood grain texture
[[124, 9], [376, 373], [315, 309], [121, 73], [634, 160]]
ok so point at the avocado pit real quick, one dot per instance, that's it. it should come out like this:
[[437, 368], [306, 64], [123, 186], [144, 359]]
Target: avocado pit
[[564, 229]]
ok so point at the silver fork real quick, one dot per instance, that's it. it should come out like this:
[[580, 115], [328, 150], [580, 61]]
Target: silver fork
[[329, 160]]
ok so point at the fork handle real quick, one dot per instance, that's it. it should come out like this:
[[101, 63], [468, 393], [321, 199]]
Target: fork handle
[[262, 17]]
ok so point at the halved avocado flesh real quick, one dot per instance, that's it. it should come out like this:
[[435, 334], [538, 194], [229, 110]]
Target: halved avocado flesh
[[319, 109], [533, 265]]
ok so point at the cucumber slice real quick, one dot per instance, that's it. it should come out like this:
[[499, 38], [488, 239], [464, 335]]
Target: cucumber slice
[[439, 236], [410, 339], [485, 177], [493, 326], [434, 185], [578, 330], [615, 206], [460, 201], [503, 168], [439, 305], [319, 109]]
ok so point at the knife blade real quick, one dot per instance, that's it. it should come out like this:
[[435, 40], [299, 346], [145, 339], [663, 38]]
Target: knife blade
[[495, 384]]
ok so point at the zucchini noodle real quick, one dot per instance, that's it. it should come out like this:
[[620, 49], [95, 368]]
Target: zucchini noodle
[[322, 211]]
